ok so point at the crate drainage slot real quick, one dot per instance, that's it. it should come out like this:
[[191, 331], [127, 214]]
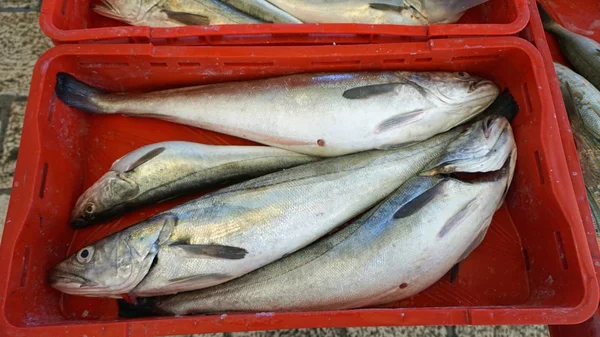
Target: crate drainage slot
[[43, 182], [25, 267], [526, 259], [538, 165], [561, 250]]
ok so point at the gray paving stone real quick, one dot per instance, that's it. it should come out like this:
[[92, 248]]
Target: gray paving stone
[[25, 4], [503, 331], [10, 138], [4, 198], [21, 43], [432, 331], [291, 333]]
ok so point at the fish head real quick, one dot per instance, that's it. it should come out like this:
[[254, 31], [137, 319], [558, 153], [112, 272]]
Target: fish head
[[129, 11], [103, 199], [483, 146], [114, 265], [462, 94]]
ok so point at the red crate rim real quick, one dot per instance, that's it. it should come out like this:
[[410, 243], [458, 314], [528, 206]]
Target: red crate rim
[[385, 317], [147, 34]]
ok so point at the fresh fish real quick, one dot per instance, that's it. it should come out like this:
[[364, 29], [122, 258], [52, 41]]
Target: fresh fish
[[231, 232], [443, 11], [162, 171], [582, 52], [327, 114], [352, 11], [172, 13], [263, 10], [582, 101], [396, 250], [403, 12]]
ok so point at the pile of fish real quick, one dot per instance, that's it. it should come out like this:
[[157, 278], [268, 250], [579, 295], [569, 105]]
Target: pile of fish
[[411, 151], [173, 13], [580, 91]]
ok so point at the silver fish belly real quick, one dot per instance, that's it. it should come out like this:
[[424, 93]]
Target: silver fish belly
[[582, 101], [422, 230], [316, 114], [162, 171], [233, 231]]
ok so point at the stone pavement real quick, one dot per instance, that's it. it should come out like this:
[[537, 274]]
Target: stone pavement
[[21, 43]]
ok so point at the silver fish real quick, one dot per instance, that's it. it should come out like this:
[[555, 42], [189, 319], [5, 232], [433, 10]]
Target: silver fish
[[352, 11], [396, 250], [582, 52], [231, 232], [582, 101], [162, 171], [263, 10], [172, 13], [326, 115], [403, 12]]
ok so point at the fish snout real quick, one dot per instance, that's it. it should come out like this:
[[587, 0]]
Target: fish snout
[[65, 281], [79, 222], [483, 85]]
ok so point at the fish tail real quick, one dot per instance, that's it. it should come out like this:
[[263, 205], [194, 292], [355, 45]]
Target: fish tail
[[547, 20], [144, 307], [77, 94]]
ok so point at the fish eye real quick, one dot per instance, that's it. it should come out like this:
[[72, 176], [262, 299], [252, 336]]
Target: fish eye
[[89, 209], [85, 254], [463, 74]]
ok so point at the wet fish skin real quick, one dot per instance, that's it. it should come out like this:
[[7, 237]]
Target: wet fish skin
[[351, 11], [404, 12], [172, 13], [582, 101], [263, 10], [428, 221], [266, 217], [161, 171], [228, 233], [443, 11], [582, 52], [325, 114]]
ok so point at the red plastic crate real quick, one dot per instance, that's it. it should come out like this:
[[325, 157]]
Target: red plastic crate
[[582, 16], [533, 267], [72, 21], [579, 18]]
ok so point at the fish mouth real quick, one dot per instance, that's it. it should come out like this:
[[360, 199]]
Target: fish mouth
[[79, 220], [68, 282], [481, 84]]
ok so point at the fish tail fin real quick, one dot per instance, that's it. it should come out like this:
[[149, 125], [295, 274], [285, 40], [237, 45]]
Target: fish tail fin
[[144, 307], [77, 94], [547, 20]]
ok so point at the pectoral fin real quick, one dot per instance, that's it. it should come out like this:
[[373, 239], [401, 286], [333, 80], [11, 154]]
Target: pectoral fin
[[457, 218], [570, 104], [187, 18], [214, 251], [400, 120], [370, 90], [424, 190], [386, 7], [199, 281], [145, 158]]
